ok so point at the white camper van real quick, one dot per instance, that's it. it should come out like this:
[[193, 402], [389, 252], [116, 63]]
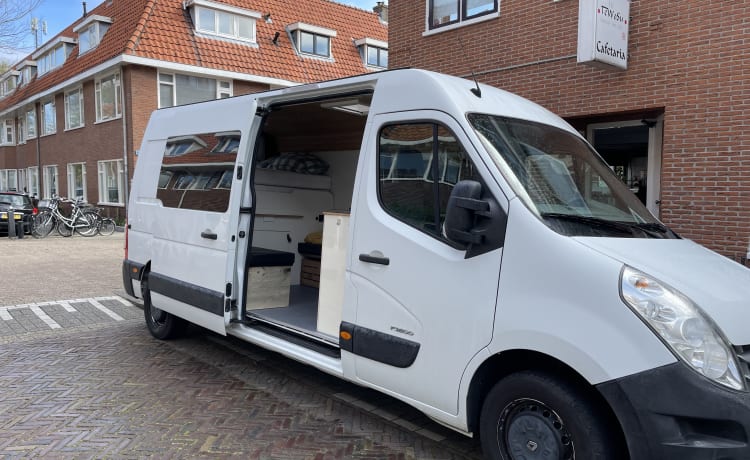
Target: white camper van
[[454, 246]]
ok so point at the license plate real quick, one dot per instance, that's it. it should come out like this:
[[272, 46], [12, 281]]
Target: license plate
[[16, 216]]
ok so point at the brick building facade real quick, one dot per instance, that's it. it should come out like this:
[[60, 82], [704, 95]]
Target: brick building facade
[[73, 113], [675, 121]]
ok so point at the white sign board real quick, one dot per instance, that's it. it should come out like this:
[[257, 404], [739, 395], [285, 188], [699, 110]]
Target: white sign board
[[603, 32]]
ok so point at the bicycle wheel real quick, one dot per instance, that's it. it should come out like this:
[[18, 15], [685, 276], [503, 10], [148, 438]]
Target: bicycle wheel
[[42, 224], [87, 224], [107, 227], [64, 229]]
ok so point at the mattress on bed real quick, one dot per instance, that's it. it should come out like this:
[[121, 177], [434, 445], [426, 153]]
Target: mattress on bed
[[291, 179]]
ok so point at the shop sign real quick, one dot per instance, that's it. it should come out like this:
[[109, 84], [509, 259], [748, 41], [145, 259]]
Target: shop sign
[[603, 32]]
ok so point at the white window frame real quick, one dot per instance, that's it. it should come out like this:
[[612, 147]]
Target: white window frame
[[21, 129], [48, 191], [45, 128], [71, 185], [9, 84], [30, 123], [28, 72], [295, 31], [93, 23], [49, 61], [234, 13], [32, 180], [68, 95], [9, 132], [224, 88], [115, 77], [462, 19], [364, 46], [5, 179], [120, 178]]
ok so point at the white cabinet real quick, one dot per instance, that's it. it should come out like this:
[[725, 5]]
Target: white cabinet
[[332, 266]]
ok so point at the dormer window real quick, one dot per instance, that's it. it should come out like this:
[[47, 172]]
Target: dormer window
[[224, 21], [311, 40], [53, 55], [374, 52], [178, 146], [228, 143], [27, 72], [91, 31], [9, 83]]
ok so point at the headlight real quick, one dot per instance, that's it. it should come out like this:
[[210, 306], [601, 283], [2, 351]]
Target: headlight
[[682, 326]]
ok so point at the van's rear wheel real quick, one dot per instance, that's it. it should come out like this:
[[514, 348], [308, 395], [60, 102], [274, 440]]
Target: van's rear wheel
[[161, 324], [533, 415]]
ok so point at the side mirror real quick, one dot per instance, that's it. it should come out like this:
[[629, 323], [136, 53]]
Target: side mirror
[[463, 206]]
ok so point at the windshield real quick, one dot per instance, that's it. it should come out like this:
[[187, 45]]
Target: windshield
[[18, 201], [561, 179]]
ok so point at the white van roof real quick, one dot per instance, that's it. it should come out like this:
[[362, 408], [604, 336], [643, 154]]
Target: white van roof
[[414, 89]]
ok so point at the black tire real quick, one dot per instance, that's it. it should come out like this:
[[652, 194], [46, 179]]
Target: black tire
[[533, 414], [162, 325], [87, 224], [64, 229], [107, 227], [42, 224]]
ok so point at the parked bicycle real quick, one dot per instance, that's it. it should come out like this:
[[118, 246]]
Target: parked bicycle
[[83, 220]]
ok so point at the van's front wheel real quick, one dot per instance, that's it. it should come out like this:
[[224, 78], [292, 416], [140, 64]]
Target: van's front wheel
[[161, 324], [532, 415]]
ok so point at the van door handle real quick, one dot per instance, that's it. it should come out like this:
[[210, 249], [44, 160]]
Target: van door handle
[[374, 260], [208, 234]]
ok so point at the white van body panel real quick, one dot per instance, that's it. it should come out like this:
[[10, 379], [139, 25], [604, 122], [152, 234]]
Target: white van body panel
[[718, 285], [172, 237], [430, 293], [560, 298]]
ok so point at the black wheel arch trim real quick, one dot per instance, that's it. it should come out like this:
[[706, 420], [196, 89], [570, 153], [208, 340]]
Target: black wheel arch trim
[[191, 294], [378, 346]]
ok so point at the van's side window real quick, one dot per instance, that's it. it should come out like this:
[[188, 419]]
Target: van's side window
[[196, 171], [419, 163]]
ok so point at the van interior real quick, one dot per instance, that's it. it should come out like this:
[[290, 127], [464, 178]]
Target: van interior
[[302, 182]]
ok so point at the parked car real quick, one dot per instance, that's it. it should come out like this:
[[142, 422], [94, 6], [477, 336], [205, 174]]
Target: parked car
[[22, 204]]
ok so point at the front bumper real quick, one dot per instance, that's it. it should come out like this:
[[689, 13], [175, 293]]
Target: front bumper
[[672, 412]]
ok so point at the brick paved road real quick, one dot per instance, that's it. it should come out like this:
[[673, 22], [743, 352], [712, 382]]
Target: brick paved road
[[83, 378]]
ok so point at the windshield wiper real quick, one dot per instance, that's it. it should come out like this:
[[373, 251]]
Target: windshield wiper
[[652, 229]]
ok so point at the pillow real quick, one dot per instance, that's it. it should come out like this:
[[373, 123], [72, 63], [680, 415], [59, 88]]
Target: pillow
[[302, 163]]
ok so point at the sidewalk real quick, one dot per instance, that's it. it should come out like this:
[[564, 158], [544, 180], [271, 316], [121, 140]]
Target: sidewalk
[[54, 268]]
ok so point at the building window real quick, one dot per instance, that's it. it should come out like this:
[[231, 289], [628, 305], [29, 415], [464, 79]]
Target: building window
[[374, 52], [50, 181], [28, 72], [90, 32], [77, 181], [111, 182], [226, 22], [49, 118], [32, 180], [8, 180], [446, 12], [21, 129], [8, 85], [74, 109], [178, 89], [30, 123], [108, 102], [8, 131], [377, 57], [311, 40], [53, 58]]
